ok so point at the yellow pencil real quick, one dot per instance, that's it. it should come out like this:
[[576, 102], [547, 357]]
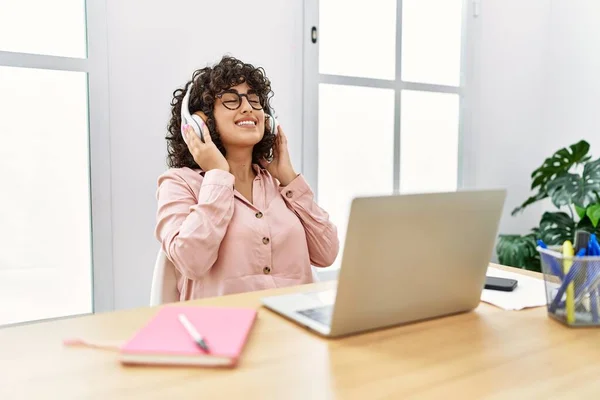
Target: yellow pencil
[[568, 253]]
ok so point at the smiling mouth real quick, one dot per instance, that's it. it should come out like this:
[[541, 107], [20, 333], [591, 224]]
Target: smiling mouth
[[246, 123]]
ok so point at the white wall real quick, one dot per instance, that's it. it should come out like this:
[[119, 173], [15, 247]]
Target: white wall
[[535, 88], [574, 85], [153, 48]]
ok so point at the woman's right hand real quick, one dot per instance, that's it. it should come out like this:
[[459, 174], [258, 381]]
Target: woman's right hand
[[206, 154]]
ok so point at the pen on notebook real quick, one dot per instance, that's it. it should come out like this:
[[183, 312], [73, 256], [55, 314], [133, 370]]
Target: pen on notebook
[[193, 332]]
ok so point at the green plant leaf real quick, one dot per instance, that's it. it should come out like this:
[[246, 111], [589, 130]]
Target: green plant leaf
[[591, 178], [556, 227], [582, 191], [585, 224], [565, 190], [531, 200], [518, 251], [593, 213], [559, 163], [580, 211]]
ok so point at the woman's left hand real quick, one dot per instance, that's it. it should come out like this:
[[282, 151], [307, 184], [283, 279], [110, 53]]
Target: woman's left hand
[[281, 167]]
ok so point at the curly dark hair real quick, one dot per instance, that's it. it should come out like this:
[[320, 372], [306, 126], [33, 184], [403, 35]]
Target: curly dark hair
[[208, 82]]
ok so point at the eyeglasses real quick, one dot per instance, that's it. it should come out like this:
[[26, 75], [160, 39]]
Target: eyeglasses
[[232, 100]]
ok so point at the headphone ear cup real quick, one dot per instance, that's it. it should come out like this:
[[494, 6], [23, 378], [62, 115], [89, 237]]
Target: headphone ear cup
[[193, 123], [198, 124], [183, 122], [273, 124]]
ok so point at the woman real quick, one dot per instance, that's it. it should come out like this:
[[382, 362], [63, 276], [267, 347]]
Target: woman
[[228, 219]]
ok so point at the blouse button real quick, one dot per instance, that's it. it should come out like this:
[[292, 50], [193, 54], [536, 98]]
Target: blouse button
[[289, 194], [267, 270], [266, 240], [258, 214]]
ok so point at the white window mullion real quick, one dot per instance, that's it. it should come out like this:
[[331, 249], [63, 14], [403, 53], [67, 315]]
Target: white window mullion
[[356, 81], [429, 87], [310, 98], [24, 60], [398, 97], [100, 165]]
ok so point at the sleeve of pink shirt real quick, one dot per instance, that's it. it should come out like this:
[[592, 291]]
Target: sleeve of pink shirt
[[321, 233], [191, 230]]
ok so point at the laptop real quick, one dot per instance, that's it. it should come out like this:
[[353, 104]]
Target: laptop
[[406, 258]]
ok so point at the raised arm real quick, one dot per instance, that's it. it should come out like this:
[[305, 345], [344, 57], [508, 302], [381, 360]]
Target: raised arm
[[190, 226], [321, 233]]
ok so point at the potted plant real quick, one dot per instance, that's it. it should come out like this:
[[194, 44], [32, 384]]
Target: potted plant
[[571, 179]]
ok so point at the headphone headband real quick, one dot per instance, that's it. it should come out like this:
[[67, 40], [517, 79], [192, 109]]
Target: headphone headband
[[197, 123]]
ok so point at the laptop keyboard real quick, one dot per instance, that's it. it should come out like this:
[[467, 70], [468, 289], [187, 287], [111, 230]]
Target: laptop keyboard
[[319, 314]]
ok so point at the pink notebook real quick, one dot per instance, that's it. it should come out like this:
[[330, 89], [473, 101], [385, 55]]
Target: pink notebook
[[165, 341]]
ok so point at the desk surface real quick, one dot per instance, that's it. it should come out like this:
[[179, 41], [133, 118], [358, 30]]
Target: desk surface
[[487, 353]]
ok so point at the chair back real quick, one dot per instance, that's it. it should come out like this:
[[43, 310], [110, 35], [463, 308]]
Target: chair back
[[164, 281]]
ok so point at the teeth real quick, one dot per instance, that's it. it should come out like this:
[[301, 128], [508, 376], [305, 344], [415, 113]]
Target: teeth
[[241, 123]]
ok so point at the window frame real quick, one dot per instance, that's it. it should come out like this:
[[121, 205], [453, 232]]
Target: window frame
[[96, 68], [312, 78]]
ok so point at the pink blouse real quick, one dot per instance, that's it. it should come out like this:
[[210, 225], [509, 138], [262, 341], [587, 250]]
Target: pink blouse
[[220, 243]]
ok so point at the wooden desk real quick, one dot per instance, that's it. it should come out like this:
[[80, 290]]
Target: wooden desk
[[488, 353]]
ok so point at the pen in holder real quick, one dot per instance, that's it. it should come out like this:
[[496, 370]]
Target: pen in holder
[[572, 284]]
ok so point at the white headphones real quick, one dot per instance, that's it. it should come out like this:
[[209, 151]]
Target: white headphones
[[197, 123]]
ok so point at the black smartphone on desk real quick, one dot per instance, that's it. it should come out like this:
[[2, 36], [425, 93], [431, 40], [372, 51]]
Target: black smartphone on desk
[[503, 284]]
